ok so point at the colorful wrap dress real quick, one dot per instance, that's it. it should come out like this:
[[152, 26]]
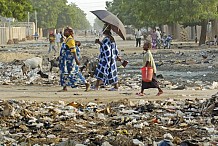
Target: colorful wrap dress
[[69, 70], [107, 68]]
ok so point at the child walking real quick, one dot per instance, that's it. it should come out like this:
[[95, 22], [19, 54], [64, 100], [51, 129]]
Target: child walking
[[148, 61]]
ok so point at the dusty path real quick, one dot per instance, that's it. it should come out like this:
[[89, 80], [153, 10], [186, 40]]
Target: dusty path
[[49, 93]]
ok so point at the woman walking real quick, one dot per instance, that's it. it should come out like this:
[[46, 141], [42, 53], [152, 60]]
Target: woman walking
[[69, 63], [107, 68]]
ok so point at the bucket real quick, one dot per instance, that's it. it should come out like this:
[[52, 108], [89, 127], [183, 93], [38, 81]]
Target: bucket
[[147, 74], [124, 64]]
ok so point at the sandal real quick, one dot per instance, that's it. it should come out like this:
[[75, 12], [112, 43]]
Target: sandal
[[140, 94]]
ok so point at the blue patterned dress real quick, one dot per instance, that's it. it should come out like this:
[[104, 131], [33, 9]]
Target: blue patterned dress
[[107, 68], [69, 70]]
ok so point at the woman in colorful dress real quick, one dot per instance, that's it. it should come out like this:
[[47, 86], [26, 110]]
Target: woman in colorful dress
[[69, 63], [154, 39], [107, 68]]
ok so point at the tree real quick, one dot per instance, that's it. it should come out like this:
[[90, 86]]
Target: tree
[[15, 8], [58, 14], [73, 16], [159, 12], [47, 12]]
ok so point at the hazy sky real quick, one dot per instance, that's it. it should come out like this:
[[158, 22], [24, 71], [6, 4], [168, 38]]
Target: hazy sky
[[90, 5]]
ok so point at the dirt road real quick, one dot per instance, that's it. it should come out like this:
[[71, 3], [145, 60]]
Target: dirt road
[[49, 93]]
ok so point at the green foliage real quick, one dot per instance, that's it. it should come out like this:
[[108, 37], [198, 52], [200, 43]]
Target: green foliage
[[15, 8], [58, 14], [159, 12], [47, 12]]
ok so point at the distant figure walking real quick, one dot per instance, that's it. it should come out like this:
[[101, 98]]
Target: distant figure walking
[[85, 33], [215, 40], [62, 37], [154, 39], [58, 40], [51, 42], [148, 61], [158, 32], [138, 36], [167, 41]]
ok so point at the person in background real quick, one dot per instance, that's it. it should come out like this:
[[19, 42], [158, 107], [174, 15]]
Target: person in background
[[69, 63], [107, 67], [154, 39], [36, 36], [138, 36], [167, 41], [215, 40], [51, 42], [62, 37], [148, 61], [85, 33], [158, 32], [58, 39]]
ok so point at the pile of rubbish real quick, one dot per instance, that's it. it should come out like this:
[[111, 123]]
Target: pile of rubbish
[[130, 78], [122, 122]]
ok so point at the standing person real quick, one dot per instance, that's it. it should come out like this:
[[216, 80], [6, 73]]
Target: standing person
[[58, 39], [62, 37], [148, 61], [51, 42], [69, 63], [138, 36], [215, 40], [154, 39], [36, 36], [107, 68], [85, 33], [167, 41], [158, 32]]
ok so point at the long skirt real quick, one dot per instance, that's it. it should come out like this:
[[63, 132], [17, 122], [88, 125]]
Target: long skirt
[[153, 84]]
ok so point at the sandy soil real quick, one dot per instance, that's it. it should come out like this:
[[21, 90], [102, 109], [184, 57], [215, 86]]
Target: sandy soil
[[49, 93]]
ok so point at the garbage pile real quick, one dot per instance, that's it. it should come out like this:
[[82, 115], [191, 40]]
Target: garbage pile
[[129, 77], [116, 123]]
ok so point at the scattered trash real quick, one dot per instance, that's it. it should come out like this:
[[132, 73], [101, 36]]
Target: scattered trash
[[60, 123]]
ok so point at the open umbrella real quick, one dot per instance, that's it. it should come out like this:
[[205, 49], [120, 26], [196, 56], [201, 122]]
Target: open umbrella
[[109, 18]]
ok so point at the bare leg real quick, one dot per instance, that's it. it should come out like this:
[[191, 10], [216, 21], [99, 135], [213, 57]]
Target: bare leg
[[141, 93], [87, 86], [160, 91], [116, 86], [64, 89], [97, 84]]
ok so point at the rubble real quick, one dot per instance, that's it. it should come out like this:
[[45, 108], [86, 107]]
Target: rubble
[[142, 123], [123, 122]]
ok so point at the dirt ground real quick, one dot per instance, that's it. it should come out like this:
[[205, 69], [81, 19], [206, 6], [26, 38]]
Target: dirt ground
[[49, 93]]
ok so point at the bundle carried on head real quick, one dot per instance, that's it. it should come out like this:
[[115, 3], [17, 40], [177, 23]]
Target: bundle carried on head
[[68, 28]]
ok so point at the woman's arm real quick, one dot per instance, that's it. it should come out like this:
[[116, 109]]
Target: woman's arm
[[76, 58], [98, 42]]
